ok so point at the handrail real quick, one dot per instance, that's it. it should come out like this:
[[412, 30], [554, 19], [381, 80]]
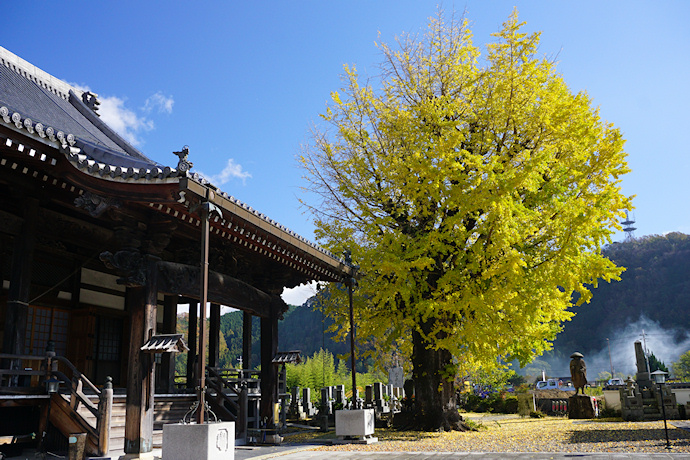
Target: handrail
[[76, 375], [23, 357], [79, 395], [102, 412], [218, 383]]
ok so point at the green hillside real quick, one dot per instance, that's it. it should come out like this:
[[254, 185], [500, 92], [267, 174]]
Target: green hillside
[[302, 328], [655, 285]]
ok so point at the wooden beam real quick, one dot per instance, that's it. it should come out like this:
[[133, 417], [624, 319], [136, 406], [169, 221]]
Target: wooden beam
[[20, 281], [167, 383], [214, 336], [192, 343], [246, 340], [141, 301], [181, 279], [269, 374]]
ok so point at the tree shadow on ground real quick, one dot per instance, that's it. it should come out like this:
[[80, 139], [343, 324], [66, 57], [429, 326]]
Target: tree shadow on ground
[[392, 434], [677, 437]]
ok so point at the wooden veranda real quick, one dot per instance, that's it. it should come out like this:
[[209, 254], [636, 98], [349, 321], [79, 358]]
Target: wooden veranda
[[99, 244]]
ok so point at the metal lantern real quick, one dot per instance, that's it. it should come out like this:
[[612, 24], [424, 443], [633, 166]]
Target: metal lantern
[[660, 377], [52, 385]]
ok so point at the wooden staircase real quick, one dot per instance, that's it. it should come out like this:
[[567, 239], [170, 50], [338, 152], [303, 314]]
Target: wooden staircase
[[167, 409]]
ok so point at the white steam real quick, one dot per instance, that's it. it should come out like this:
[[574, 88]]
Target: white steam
[[666, 344]]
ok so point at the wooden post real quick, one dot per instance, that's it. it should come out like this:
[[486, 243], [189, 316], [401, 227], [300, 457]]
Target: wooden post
[[105, 411], [141, 302], [191, 342], [17, 309], [167, 385], [246, 340], [242, 420], [214, 337], [269, 374]]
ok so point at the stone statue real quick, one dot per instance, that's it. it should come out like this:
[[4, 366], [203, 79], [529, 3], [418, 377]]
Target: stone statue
[[578, 371]]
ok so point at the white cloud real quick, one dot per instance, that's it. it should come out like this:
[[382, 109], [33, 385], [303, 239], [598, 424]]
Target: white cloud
[[163, 103], [126, 122], [123, 120], [232, 170], [298, 295]]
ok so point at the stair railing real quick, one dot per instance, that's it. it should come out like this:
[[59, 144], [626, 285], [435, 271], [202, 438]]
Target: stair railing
[[77, 384], [238, 382]]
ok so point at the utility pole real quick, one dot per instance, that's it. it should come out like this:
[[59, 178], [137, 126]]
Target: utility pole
[[608, 344]]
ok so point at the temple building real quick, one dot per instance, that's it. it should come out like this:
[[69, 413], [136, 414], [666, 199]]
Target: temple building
[[98, 246]]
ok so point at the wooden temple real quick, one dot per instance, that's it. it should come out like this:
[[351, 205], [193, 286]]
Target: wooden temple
[[98, 246]]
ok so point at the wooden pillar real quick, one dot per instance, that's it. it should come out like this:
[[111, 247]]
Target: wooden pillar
[[192, 344], [141, 302], [246, 340], [167, 383], [269, 374], [20, 282], [214, 337]]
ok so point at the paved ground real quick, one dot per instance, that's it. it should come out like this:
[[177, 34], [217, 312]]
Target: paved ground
[[302, 453], [467, 456]]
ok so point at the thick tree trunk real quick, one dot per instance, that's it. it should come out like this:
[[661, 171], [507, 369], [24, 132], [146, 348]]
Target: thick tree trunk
[[434, 406]]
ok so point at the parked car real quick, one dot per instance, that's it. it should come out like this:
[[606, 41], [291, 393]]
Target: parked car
[[616, 381], [554, 384]]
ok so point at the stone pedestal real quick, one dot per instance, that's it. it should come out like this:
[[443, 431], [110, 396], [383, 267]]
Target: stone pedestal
[[581, 406], [355, 425], [211, 441]]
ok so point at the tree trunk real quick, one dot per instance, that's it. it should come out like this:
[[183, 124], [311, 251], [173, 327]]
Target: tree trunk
[[434, 395]]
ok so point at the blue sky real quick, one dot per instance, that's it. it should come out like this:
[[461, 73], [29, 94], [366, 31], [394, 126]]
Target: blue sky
[[241, 83]]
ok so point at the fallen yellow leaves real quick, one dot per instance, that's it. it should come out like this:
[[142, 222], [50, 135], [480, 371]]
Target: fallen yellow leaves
[[551, 434]]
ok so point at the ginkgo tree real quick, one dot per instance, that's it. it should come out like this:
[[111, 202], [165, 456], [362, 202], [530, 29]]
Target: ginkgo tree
[[475, 191]]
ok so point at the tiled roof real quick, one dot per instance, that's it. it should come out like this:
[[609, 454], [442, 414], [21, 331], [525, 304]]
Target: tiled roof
[[287, 357], [165, 343], [51, 110]]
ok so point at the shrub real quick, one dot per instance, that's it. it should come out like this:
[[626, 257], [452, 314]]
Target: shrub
[[536, 414], [496, 404], [511, 405]]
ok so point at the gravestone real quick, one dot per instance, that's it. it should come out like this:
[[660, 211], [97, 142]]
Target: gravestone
[[340, 396], [380, 403], [295, 409], [368, 396], [396, 377], [307, 405], [326, 401]]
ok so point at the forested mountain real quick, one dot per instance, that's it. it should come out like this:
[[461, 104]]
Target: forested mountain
[[302, 328], [655, 285]]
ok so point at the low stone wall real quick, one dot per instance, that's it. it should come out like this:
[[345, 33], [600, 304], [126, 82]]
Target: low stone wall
[[682, 394], [613, 399]]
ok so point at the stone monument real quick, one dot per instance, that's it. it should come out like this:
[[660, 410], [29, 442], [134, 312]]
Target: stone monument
[[578, 372], [642, 399], [580, 405]]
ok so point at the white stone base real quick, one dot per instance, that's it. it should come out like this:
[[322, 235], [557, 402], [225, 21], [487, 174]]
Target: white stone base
[[211, 441], [357, 424], [362, 440], [140, 456]]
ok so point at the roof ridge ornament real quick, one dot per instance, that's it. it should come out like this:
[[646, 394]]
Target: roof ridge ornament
[[184, 164], [91, 101]]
